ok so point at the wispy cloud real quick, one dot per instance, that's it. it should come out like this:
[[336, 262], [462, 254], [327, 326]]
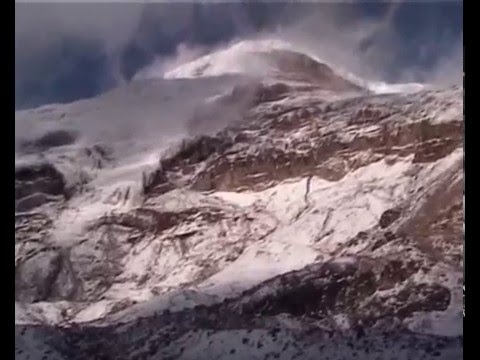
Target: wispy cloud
[[104, 35]]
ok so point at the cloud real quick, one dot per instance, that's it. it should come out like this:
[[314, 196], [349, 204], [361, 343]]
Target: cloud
[[51, 37], [39, 25], [184, 53], [66, 51], [378, 47], [449, 69], [390, 46]]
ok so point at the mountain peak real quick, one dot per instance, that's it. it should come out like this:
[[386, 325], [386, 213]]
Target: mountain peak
[[239, 58], [265, 59]]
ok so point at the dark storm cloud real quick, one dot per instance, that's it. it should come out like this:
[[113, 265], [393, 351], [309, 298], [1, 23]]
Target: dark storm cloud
[[102, 44], [67, 51]]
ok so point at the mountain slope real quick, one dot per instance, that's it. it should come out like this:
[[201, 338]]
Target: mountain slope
[[315, 218]]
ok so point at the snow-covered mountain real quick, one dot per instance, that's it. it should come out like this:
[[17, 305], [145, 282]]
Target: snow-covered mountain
[[254, 203]]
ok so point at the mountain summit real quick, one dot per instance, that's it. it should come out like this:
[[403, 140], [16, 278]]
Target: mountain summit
[[264, 59]]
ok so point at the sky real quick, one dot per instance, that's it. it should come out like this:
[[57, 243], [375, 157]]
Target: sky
[[70, 51]]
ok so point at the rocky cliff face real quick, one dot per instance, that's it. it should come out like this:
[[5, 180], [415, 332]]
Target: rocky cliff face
[[319, 223]]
